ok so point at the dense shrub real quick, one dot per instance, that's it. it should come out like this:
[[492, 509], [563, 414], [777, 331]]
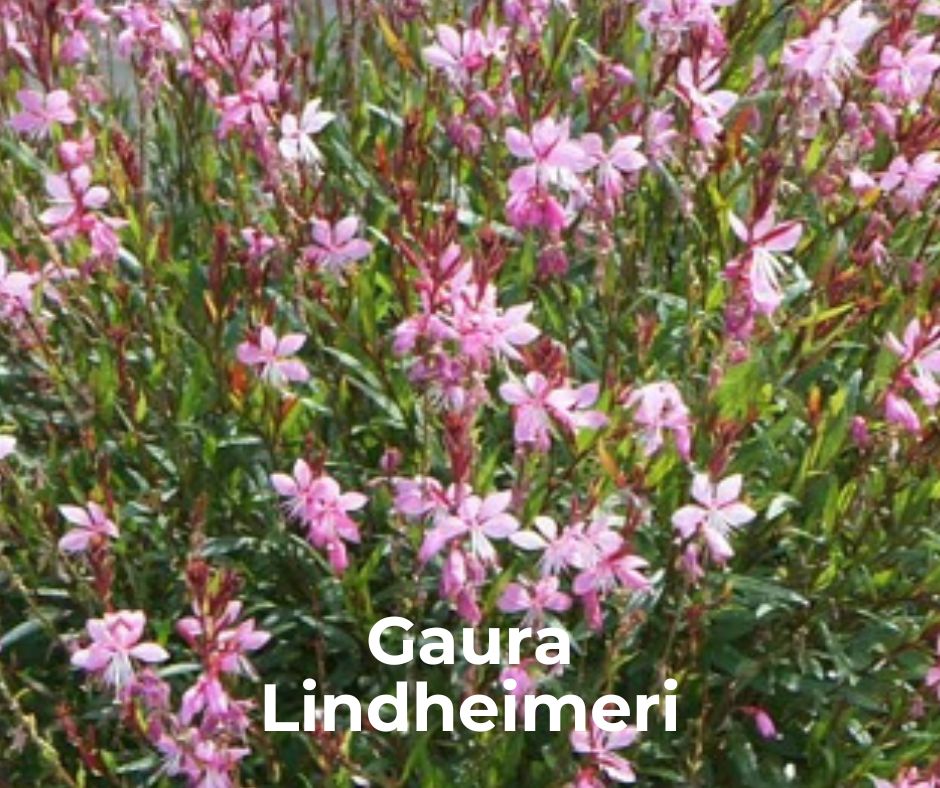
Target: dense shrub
[[621, 316]]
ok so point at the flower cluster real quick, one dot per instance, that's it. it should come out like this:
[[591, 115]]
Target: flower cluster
[[319, 504], [460, 330], [463, 527], [617, 317], [204, 739], [594, 551], [537, 404], [580, 171], [918, 353], [75, 204]]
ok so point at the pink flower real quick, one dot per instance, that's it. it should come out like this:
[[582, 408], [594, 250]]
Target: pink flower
[[259, 243], [719, 513], [690, 563], [899, 411], [75, 153], [525, 683], [206, 695], [253, 32], [319, 503], [671, 19], [115, 641], [659, 408], [233, 643], [759, 266], [909, 182], [588, 777], [534, 599], [884, 118], [458, 55], [248, 109], [531, 206], [709, 107], [829, 52], [532, 15], [459, 331], [462, 327], [76, 46], [462, 576], [232, 640], [660, 134], [91, 523], [495, 44], [598, 538], [72, 196], [296, 136], [16, 292], [861, 182], [549, 148], [861, 436], [477, 519], [144, 28], [613, 568], [7, 446], [762, 721], [10, 33], [599, 746], [204, 757], [604, 561], [906, 76], [933, 675], [153, 692], [335, 246], [73, 211], [40, 112], [273, 356], [919, 352], [622, 159], [536, 402], [216, 763], [909, 778], [559, 550], [414, 498], [485, 329]]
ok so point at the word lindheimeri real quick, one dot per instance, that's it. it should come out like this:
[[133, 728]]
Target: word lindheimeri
[[476, 712]]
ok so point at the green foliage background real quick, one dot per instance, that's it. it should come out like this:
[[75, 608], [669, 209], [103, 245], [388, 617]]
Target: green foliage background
[[826, 617]]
